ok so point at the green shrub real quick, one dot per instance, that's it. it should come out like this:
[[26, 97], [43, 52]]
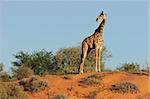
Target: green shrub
[[33, 84], [70, 69], [38, 61], [12, 91], [67, 57], [129, 67], [124, 87], [23, 72]]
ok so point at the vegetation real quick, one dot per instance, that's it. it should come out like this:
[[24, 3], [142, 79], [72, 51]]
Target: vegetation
[[59, 96], [67, 77], [92, 95], [39, 62], [146, 96], [147, 67], [67, 57], [96, 76], [124, 87], [129, 67], [91, 80], [66, 61], [23, 72], [5, 77], [12, 91], [1, 67], [33, 84]]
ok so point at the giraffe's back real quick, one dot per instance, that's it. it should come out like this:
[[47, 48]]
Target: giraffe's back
[[93, 40]]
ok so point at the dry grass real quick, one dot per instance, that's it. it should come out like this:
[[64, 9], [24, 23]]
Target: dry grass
[[67, 77], [33, 84], [59, 96], [9, 90], [92, 95], [91, 80], [124, 87]]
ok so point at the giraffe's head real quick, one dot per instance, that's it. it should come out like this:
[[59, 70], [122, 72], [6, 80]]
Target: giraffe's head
[[101, 16]]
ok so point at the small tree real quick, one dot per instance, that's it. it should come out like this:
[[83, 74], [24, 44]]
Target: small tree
[[39, 62], [68, 57], [71, 57]]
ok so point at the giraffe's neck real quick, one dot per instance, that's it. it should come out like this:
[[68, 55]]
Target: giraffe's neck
[[101, 26]]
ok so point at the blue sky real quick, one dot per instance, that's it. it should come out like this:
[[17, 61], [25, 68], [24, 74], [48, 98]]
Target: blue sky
[[51, 25]]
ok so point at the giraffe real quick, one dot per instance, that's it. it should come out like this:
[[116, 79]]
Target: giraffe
[[95, 41]]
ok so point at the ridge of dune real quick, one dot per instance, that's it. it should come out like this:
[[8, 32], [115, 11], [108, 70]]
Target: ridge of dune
[[73, 90]]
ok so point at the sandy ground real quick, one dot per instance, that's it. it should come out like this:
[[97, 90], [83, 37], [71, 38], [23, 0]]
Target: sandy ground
[[73, 89]]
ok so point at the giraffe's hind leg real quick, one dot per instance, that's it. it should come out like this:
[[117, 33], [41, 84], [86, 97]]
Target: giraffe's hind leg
[[83, 56], [96, 55]]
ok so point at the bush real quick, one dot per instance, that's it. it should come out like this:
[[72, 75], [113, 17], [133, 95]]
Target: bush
[[39, 61], [67, 77], [59, 96], [96, 76], [91, 80], [146, 70], [71, 70], [12, 91], [146, 96], [67, 57], [129, 67], [92, 95], [107, 70], [33, 84], [124, 87], [66, 70], [23, 72], [5, 77], [1, 67]]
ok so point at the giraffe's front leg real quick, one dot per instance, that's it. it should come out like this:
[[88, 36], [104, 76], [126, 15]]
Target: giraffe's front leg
[[99, 63], [99, 59]]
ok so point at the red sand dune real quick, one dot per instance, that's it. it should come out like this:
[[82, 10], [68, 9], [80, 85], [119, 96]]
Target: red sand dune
[[73, 89]]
